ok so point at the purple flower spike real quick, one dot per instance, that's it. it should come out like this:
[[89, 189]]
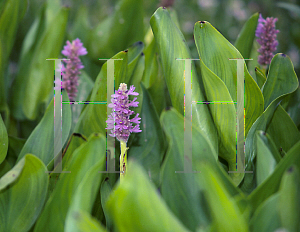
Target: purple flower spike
[[119, 120], [267, 34], [71, 72]]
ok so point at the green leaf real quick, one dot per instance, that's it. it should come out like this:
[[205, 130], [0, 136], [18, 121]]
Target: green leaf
[[23, 195], [245, 38], [57, 206], [272, 183], [171, 45], [281, 80], [85, 195], [37, 79], [293, 108], [135, 205], [41, 141], [185, 203], [289, 202], [274, 89], [290, 7], [105, 191], [111, 35], [266, 217], [265, 161], [215, 51], [216, 91], [283, 130], [4, 141], [148, 146], [11, 13], [225, 212], [83, 222]]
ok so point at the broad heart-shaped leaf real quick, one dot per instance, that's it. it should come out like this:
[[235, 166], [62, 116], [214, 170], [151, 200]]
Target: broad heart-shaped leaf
[[289, 202], [135, 205], [215, 51], [225, 212], [266, 217], [12, 11], [85, 195], [34, 84], [93, 118], [41, 141], [171, 45], [272, 183], [148, 146], [3, 141], [186, 204], [283, 130], [245, 38], [83, 159], [105, 191], [111, 35], [224, 116], [272, 92], [265, 161], [281, 80], [23, 198]]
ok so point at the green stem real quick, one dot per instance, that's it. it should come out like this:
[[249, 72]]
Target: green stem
[[123, 159]]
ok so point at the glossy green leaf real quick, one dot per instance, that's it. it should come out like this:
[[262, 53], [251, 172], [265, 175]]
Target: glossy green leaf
[[265, 161], [186, 203], [281, 79], [215, 51], [293, 108], [4, 141], [23, 195], [12, 11], [111, 35], [39, 73], [85, 195], [4, 167], [266, 217], [273, 90], [289, 202], [105, 191], [135, 205], [83, 159], [148, 146], [171, 45], [216, 91], [283, 130], [272, 183], [41, 141], [224, 211], [245, 38]]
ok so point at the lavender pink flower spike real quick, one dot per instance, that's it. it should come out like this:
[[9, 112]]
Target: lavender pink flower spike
[[119, 120], [71, 72], [266, 34]]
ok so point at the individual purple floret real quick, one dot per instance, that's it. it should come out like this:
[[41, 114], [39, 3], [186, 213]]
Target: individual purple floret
[[267, 34], [119, 120], [71, 72]]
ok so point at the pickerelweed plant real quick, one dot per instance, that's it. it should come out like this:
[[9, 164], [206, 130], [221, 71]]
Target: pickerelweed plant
[[119, 120]]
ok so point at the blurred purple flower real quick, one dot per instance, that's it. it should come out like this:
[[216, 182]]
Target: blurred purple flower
[[267, 34], [71, 72], [119, 119]]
